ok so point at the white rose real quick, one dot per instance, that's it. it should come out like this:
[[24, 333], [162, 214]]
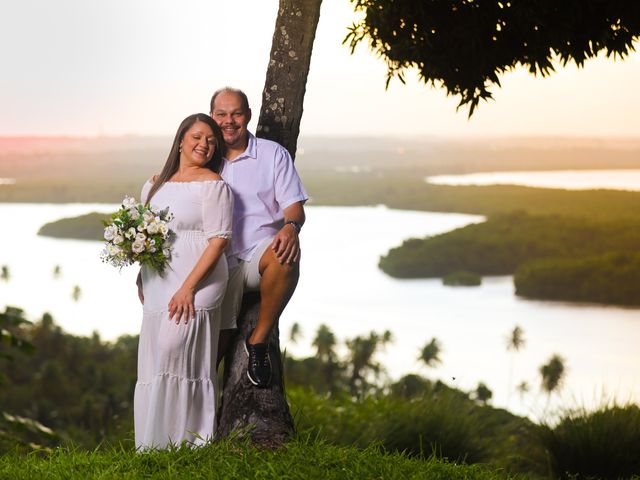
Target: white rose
[[153, 228], [163, 228], [134, 214], [142, 227], [113, 250], [110, 232], [118, 239], [137, 246], [141, 237], [128, 202], [148, 216], [130, 233]]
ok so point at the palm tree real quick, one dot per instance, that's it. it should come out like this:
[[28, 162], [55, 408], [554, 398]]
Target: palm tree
[[523, 387], [515, 341], [325, 342], [76, 293], [295, 333], [483, 394], [430, 354], [362, 363], [552, 375]]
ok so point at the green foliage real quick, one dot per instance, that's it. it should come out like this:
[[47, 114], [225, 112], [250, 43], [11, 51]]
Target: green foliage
[[611, 278], [504, 242], [600, 444], [443, 425], [428, 419], [227, 460], [553, 257], [552, 374], [465, 45], [462, 279], [81, 387]]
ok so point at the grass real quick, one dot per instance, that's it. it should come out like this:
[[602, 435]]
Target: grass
[[297, 460], [600, 444]]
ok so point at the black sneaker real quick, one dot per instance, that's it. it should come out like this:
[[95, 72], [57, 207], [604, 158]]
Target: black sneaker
[[259, 368]]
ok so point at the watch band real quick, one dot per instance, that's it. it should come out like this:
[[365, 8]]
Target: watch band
[[295, 224]]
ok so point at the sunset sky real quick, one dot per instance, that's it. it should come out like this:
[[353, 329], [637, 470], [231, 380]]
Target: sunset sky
[[89, 67]]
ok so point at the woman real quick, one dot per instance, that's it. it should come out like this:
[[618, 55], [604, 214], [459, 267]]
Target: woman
[[175, 396]]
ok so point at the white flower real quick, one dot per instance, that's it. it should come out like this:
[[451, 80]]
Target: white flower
[[113, 250], [142, 227], [153, 228], [140, 237], [163, 229], [128, 202], [118, 239], [148, 216], [134, 214], [170, 217], [137, 246], [130, 233], [166, 252], [110, 232]]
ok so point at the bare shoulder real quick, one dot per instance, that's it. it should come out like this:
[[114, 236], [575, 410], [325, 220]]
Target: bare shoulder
[[208, 175], [153, 179]]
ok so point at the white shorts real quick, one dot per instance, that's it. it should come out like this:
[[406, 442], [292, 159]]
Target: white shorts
[[245, 276]]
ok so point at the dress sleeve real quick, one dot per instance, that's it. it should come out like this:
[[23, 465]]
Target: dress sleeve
[[145, 192], [217, 210]]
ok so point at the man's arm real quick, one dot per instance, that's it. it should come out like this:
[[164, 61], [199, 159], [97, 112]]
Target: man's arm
[[286, 243]]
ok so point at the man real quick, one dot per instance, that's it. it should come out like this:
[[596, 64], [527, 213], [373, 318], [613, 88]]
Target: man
[[268, 214]]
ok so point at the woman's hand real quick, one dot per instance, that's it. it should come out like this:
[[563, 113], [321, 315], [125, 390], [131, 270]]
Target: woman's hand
[[181, 305], [139, 285]]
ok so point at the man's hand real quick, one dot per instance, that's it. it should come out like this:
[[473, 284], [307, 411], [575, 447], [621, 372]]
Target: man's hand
[[286, 245]]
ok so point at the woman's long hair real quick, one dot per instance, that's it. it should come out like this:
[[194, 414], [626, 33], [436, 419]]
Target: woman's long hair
[[173, 160]]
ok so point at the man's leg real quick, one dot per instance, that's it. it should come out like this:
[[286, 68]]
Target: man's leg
[[277, 284]]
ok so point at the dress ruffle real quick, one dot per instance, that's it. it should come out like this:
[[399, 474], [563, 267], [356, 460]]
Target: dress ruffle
[[175, 395]]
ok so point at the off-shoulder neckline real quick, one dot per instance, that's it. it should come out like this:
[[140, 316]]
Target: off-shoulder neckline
[[192, 181]]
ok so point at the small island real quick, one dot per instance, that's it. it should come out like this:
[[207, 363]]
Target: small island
[[552, 257], [84, 227]]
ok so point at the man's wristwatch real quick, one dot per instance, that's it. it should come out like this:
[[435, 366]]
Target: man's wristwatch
[[295, 224]]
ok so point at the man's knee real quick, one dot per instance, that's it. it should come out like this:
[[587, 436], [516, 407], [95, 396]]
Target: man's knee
[[270, 261]]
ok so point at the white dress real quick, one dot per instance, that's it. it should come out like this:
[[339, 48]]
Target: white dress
[[175, 395]]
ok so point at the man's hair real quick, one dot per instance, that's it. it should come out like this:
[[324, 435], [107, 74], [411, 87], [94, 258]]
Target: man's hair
[[244, 101]]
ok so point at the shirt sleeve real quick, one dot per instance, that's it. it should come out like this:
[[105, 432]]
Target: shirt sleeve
[[288, 186], [217, 210]]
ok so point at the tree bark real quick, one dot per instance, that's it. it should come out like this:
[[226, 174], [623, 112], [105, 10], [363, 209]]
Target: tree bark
[[286, 81], [263, 413]]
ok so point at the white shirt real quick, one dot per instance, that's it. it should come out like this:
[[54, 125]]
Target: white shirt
[[264, 182]]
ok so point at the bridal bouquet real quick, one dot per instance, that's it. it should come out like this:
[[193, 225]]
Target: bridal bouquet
[[138, 233]]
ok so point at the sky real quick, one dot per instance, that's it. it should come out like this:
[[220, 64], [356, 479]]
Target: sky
[[120, 67]]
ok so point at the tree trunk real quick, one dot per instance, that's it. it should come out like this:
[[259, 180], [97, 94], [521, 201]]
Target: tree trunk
[[260, 413], [263, 413], [286, 81]]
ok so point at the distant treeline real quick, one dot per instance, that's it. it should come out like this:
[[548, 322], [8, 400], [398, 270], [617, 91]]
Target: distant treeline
[[552, 257], [611, 278]]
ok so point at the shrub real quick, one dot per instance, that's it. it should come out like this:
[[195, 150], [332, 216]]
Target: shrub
[[600, 444]]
